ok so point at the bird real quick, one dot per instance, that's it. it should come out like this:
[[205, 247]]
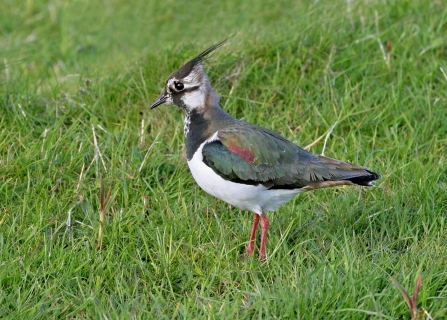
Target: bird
[[248, 166]]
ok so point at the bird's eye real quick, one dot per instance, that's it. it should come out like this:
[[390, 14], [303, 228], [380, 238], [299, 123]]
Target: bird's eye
[[179, 86]]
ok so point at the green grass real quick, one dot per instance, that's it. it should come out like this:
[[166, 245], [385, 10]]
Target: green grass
[[171, 251]]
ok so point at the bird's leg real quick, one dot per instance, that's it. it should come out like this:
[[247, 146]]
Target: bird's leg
[[251, 242], [264, 229]]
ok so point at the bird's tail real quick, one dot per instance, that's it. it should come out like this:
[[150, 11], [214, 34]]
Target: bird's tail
[[367, 179], [330, 172]]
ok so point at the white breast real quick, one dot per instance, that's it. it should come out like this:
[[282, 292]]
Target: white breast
[[257, 199]]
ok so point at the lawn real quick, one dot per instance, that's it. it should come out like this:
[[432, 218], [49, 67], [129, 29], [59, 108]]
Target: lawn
[[76, 82]]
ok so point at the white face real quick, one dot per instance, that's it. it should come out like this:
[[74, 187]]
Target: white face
[[194, 99], [189, 92]]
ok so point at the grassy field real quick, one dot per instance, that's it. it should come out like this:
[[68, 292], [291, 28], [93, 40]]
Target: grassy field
[[76, 81]]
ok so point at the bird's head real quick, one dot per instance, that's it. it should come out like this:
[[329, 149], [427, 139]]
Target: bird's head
[[189, 86]]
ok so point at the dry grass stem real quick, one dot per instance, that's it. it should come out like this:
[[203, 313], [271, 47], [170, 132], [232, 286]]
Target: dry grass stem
[[102, 211]]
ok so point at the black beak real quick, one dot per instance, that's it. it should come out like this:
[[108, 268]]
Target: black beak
[[161, 99]]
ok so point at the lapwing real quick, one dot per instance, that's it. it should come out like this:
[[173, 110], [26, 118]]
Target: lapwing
[[247, 166]]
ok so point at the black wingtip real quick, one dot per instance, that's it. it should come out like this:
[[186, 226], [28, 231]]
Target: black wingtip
[[366, 180]]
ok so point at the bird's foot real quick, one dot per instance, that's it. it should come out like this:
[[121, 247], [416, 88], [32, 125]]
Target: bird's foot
[[250, 249]]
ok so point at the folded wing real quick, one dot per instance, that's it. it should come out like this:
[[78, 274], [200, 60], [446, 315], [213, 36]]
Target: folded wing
[[254, 155]]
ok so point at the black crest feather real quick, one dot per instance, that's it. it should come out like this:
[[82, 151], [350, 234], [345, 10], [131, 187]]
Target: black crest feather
[[187, 68]]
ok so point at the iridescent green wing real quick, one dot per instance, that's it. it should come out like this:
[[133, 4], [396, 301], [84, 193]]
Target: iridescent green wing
[[254, 155]]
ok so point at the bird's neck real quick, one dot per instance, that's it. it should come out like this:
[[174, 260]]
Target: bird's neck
[[201, 124]]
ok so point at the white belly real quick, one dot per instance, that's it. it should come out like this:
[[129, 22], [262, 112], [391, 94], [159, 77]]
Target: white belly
[[256, 199]]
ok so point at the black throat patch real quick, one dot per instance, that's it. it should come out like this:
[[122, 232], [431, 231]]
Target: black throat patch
[[196, 132]]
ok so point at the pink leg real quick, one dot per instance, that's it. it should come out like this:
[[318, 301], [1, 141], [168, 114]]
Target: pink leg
[[251, 242], [264, 229]]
